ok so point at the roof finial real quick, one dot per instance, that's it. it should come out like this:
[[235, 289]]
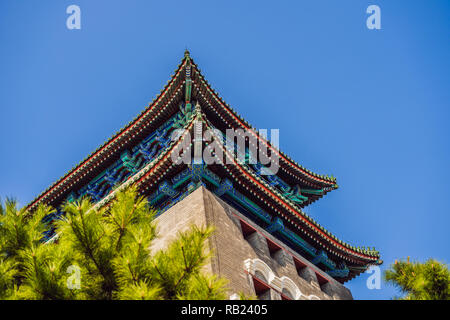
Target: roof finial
[[186, 53]]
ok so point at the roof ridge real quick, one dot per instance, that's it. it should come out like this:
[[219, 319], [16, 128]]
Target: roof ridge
[[116, 135], [331, 180], [324, 233]]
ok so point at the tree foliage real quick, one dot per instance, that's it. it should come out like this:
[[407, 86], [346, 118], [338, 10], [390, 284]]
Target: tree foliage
[[107, 249], [420, 281]]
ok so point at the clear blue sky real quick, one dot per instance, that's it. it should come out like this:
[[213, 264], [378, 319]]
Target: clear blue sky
[[370, 107]]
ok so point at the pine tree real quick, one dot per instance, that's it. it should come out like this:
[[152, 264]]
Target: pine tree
[[101, 253], [420, 281], [20, 235]]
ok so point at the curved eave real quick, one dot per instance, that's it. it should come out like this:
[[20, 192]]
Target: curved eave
[[153, 172], [300, 220], [149, 177], [123, 135], [291, 167], [85, 167]]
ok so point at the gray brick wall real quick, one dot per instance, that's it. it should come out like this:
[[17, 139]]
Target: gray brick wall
[[231, 250]]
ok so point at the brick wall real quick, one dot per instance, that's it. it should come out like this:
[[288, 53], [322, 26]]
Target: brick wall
[[239, 246]]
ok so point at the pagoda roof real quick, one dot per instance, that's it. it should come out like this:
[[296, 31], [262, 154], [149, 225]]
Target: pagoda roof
[[149, 177], [205, 93], [146, 122], [209, 105]]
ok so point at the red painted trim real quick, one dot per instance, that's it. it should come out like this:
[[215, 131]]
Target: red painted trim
[[165, 157], [265, 285], [312, 267], [294, 211], [218, 99], [80, 166]]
